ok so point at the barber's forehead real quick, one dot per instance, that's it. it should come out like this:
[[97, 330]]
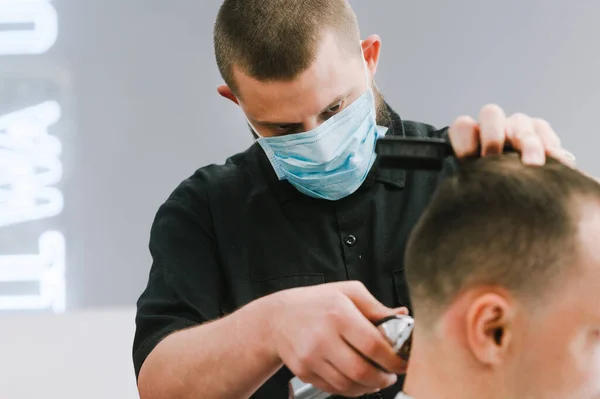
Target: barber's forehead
[[309, 93]]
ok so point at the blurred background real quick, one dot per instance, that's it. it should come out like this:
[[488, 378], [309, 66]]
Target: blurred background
[[105, 106]]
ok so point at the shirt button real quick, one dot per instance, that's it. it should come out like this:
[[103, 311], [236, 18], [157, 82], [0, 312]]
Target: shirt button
[[350, 241]]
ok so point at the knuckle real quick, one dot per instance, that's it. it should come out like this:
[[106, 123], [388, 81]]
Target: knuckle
[[344, 385], [335, 305], [545, 130], [302, 371], [360, 372], [371, 347], [322, 339], [303, 374], [357, 285], [338, 317], [337, 314], [304, 359], [532, 141], [306, 355]]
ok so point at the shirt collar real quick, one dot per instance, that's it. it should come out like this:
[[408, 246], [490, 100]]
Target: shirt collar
[[395, 178]]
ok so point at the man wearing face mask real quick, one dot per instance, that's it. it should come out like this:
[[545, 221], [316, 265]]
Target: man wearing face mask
[[276, 263]]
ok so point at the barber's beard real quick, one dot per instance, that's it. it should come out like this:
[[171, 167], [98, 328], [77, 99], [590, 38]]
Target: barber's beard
[[382, 113]]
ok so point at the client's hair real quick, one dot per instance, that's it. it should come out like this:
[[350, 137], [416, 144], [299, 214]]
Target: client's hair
[[496, 222]]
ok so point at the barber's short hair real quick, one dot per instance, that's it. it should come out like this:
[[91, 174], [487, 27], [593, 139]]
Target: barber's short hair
[[497, 222], [273, 40]]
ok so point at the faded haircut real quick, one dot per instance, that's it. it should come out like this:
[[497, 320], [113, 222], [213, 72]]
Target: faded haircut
[[497, 222]]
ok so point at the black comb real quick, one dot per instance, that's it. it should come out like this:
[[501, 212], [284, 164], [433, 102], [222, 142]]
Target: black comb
[[412, 153]]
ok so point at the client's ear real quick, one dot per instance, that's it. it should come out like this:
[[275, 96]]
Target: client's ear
[[489, 328]]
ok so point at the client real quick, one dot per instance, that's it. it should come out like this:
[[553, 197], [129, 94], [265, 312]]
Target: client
[[504, 277]]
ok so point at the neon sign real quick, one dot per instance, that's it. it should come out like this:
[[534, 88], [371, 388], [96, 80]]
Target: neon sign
[[27, 27], [47, 268], [30, 166]]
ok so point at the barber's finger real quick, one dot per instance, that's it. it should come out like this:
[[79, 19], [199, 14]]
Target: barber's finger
[[569, 158], [492, 127], [342, 384], [464, 137], [547, 134], [563, 156], [552, 143], [366, 303], [357, 370], [365, 338], [322, 385], [523, 138]]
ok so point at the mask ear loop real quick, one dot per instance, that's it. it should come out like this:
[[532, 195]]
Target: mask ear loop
[[258, 136], [252, 127], [368, 81], [366, 65]]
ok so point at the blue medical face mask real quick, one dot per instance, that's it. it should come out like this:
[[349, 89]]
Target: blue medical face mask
[[332, 161]]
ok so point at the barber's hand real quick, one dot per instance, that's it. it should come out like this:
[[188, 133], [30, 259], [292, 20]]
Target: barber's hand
[[324, 333], [534, 138]]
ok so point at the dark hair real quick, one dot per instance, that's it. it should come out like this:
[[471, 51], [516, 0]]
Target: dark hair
[[496, 222], [278, 39]]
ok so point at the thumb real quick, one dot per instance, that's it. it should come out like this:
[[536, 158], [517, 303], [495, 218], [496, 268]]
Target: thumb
[[366, 303], [402, 311]]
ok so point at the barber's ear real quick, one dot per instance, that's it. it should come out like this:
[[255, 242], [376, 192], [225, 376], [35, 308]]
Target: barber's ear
[[371, 47], [490, 321], [226, 92]]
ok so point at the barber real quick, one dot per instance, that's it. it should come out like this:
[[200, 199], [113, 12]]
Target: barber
[[277, 263]]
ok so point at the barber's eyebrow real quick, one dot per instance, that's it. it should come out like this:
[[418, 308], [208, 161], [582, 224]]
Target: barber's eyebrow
[[335, 102]]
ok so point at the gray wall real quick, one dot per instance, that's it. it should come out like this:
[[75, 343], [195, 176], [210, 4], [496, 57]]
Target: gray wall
[[84, 354], [143, 110]]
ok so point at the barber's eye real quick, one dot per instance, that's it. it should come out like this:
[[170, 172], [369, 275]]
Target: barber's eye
[[336, 108], [282, 130]]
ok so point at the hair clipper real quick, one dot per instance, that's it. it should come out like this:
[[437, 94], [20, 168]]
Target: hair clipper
[[398, 331]]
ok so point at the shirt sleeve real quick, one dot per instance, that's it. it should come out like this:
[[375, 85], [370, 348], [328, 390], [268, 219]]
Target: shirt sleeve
[[185, 282]]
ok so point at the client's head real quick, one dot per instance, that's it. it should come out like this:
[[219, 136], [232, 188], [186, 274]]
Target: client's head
[[504, 277]]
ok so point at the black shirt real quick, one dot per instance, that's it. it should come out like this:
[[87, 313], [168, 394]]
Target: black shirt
[[233, 233]]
